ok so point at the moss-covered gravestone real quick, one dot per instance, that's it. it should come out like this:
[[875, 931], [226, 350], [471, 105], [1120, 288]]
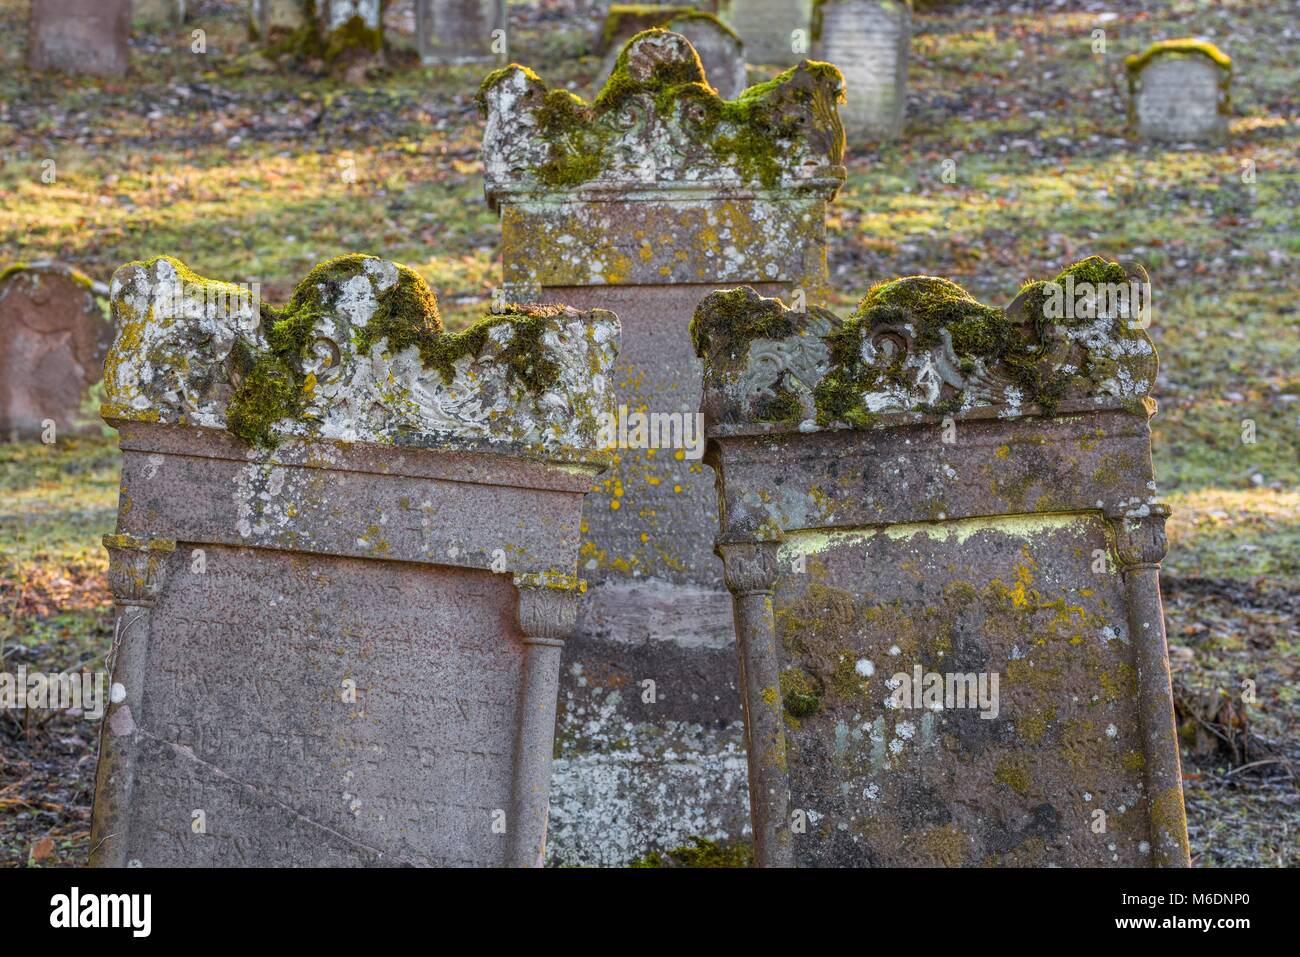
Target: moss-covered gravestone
[[623, 21], [344, 567], [642, 202], [722, 54], [1179, 91], [868, 41], [79, 36], [53, 337], [352, 27], [461, 31], [774, 31], [940, 531]]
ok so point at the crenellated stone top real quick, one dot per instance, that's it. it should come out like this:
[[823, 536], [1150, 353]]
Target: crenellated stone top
[[921, 346], [657, 122], [358, 354]]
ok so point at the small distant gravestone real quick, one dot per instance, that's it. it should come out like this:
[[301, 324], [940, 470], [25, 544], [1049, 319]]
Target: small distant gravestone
[[79, 36], [773, 31], [868, 41], [158, 13], [270, 17], [638, 204], [720, 50], [53, 336], [343, 569], [940, 532], [623, 21], [1179, 91], [462, 31]]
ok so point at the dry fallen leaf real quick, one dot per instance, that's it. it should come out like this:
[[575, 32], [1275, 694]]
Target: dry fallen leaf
[[42, 848]]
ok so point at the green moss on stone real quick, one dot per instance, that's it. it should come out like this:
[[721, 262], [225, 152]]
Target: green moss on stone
[[700, 852], [799, 693], [1137, 61], [353, 39], [932, 307], [729, 320], [275, 386]]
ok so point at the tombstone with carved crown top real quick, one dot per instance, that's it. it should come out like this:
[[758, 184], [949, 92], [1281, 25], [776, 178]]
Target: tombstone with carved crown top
[[939, 527], [344, 569], [643, 201]]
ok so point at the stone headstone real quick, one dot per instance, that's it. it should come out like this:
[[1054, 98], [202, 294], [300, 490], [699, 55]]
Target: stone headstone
[[462, 31], [940, 533], [79, 36], [642, 204], [623, 21], [53, 337], [157, 13], [270, 17], [339, 644], [773, 31], [721, 53], [868, 41], [1179, 91]]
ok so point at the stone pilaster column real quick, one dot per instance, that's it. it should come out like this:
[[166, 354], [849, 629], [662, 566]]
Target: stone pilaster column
[[136, 571], [1140, 544], [548, 608], [749, 568]]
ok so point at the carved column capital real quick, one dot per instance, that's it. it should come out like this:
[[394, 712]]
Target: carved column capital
[[548, 606], [748, 567], [1140, 540], [137, 568]]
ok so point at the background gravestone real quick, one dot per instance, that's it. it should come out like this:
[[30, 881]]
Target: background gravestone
[[939, 487], [460, 31], [1179, 91], [623, 21], [768, 27], [341, 644], [641, 204], [720, 50], [268, 17], [157, 13], [53, 336], [79, 36], [868, 41]]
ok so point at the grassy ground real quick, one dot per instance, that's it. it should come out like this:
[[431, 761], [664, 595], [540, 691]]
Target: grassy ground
[[252, 172]]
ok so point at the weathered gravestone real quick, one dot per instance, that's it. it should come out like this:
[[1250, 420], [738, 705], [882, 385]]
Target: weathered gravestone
[[157, 13], [939, 528], [461, 31], [868, 41], [721, 53], [354, 26], [79, 36], [53, 337], [774, 31], [267, 18], [642, 203], [340, 644], [1179, 90], [623, 21]]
